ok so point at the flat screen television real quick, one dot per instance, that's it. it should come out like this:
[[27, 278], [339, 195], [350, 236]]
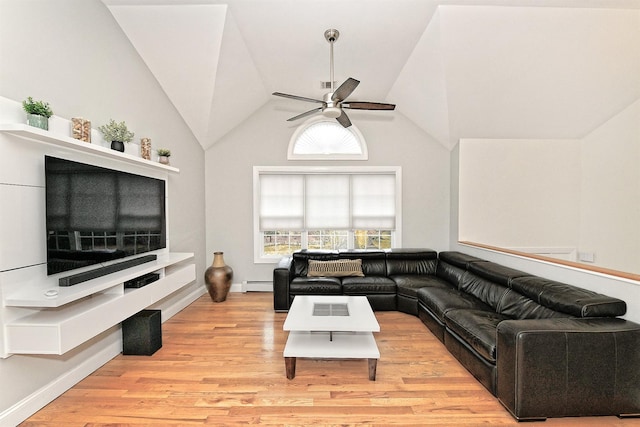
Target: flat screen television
[[96, 214]]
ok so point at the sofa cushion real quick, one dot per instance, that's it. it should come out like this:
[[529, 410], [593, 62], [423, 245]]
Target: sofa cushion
[[373, 262], [488, 292], [335, 268], [411, 261], [439, 300], [496, 272], [408, 285], [477, 328], [315, 286], [458, 259], [368, 285], [568, 299], [449, 272], [518, 306]]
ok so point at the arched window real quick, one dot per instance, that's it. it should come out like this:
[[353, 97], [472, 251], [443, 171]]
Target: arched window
[[326, 139]]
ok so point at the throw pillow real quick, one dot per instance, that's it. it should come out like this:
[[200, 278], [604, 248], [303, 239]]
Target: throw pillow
[[337, 268]]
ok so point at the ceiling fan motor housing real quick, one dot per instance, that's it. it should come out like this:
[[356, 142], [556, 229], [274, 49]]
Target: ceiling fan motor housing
[[332, 109]]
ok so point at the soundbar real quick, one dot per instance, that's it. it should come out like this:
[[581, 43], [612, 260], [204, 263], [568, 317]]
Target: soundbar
[[103, 271]]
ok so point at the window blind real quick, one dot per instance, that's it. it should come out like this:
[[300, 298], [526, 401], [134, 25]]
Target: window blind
[[327, 201], [281, 202], [373, 202]]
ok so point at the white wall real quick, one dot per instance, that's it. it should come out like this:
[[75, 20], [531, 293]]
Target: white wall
[[627, 290], [527, 88], [74, 55], [580, 194], [583, 86], [263, 140], [610, 201], [520, 193]]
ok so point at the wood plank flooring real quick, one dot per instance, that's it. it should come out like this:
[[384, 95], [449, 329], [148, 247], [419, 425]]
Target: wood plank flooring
[[221, 364]]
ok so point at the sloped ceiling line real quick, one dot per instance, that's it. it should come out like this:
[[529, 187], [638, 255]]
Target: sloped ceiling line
[[421, 90], [507, 69], [239, 87], [181, 46]]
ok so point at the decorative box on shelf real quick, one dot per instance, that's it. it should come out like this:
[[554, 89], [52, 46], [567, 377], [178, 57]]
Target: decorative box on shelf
[[81, 129]]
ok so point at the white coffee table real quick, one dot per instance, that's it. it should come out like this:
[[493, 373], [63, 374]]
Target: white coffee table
[[341, 327]]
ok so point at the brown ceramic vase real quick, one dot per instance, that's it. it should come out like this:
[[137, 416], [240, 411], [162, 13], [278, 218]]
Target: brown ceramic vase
[[218, 278]]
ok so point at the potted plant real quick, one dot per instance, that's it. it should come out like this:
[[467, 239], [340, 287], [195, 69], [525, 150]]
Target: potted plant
[[38, 113], [163, 155], [117, 134]]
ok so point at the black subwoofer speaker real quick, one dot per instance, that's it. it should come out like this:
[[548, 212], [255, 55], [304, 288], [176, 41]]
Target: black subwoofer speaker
[[142, 333]]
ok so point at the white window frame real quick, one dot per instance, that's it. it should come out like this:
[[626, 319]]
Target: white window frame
[[396, 235]]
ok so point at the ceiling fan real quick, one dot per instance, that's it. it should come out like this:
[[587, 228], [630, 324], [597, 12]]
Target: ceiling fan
[[334, 102]]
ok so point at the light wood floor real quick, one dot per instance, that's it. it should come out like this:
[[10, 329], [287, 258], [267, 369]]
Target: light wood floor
[[222, 364]]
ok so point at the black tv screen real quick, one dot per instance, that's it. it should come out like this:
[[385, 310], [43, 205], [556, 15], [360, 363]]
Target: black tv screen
[[95, 214]]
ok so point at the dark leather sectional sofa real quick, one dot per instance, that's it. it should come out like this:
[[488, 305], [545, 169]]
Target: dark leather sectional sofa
[[543, 348]]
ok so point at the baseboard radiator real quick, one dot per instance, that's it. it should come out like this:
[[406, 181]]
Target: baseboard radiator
[[257, 286]]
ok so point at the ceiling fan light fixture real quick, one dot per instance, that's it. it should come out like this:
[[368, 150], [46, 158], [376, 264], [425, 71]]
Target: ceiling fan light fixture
[[332, 112]]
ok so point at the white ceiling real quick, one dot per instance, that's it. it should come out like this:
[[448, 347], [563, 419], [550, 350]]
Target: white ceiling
[[483, 69]]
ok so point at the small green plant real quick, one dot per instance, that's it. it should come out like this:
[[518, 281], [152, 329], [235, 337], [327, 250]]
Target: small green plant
[[38, 108], [164, 152], [113, 131]]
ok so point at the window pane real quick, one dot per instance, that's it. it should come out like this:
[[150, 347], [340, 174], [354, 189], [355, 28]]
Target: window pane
[[372, 239], [281, 242], [327, 239]]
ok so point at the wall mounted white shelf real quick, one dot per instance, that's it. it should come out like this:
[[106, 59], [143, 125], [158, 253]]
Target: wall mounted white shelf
[[37, 322], [80, 312], [34, 296], [39, 135]]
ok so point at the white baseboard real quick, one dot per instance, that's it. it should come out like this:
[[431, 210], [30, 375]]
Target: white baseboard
[[28, 406], [257, 286], [236, 287]]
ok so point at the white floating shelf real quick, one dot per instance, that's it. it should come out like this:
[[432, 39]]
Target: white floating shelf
[[58, 330], [30, 296], [40, 135]]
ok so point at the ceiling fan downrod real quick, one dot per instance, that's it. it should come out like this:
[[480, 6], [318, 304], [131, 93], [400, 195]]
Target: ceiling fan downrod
[[331, 35]]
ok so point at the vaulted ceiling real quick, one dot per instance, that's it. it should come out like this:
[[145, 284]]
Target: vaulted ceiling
[[474, 69]]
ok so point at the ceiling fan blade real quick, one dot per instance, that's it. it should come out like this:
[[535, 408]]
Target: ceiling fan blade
[[305, 114], [368, 106], [343, 119], [345, 89], [298, 98]]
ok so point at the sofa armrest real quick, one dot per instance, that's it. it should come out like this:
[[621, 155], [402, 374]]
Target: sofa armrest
[[281, 279], [568, 367]]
